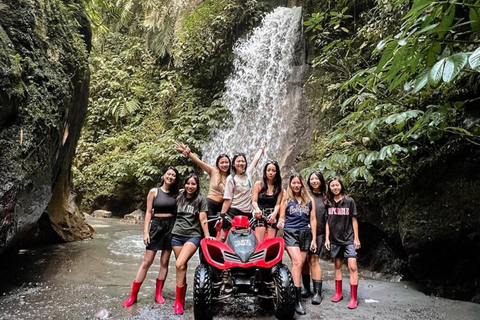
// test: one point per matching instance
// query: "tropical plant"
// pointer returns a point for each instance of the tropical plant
(413, 101)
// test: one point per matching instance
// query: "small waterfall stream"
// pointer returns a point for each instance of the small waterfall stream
(264, 91)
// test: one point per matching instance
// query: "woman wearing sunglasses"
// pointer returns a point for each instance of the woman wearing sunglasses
(266, 198)
(218, 176)
(238, 189)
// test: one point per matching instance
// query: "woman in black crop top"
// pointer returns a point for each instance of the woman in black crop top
(267, 194)
(318, 188)
(157, 233)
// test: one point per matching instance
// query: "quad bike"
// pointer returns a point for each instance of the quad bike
(242, 267)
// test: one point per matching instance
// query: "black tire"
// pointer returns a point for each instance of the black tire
(202, 293)
(284, 296)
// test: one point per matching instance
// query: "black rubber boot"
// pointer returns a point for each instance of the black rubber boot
(306, 292)
(298, 301)
(317, 291)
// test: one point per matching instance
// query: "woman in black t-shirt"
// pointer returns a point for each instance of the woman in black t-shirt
(190, 224)
(267, 195)
(159, 220)
(342, 238)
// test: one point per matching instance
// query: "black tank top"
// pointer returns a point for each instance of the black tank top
(164, 203)
(267, 201)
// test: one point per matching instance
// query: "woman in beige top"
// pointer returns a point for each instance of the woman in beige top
(218, 175)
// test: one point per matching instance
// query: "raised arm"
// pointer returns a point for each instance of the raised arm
(188, 153)
(259, 154)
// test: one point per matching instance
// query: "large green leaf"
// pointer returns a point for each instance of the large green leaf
(421, 81)
(474, 59)
(474, 16)
(453, 65)
(417, 7)
(436, 72)
(387, 55)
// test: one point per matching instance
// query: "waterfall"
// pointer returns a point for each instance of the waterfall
(263, 93)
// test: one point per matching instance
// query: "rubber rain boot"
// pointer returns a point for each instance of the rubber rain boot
(353, 297)
(338, 291)
(158, 292)
(179, 298)
(133, 294)
(298, 301)
(317, 291)
(306, 292)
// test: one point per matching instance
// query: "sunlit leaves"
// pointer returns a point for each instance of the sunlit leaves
(474, 59)
(453, 65)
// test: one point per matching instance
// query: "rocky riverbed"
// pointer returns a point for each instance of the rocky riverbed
(76, 280)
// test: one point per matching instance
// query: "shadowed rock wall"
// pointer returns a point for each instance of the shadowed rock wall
(44, 79)
(430, 230)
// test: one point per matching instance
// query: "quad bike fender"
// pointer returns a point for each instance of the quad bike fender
(221, 256)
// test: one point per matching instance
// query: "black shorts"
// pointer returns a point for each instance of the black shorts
(301, 238)
(214, 208)
(161, 233)
(343, 251)
(320, 244)
(232, 212)
(254, 223)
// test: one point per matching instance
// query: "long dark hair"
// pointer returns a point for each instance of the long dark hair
(197, 180)
(323, 186)
(174, 187)
(223, 155)
(182, 198)
(235, 156)
(277, 180)
(330, 195)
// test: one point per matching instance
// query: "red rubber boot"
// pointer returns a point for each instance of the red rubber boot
(353, 297)
(133, 295)
(158, 292)
(179, 299)
(338, 291)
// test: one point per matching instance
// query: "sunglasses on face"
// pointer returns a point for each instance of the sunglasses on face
(239, 155)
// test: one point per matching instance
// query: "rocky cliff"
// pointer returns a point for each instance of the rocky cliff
(430, 229)
(43, 101)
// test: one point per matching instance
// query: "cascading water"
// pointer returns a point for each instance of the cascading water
(264, 91)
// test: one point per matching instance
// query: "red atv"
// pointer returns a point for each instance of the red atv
(241, 266)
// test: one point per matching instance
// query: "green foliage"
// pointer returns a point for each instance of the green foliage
(399, 110)
(140, 102)
(203, 43)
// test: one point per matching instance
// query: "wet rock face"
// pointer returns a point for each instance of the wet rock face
(44, 80)
(434, 228)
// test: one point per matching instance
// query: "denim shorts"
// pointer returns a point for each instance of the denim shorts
(178, 241)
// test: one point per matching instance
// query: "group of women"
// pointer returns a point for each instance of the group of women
(311, 218)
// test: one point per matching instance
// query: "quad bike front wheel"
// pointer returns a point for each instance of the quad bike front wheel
(202, 292)
(284, 296)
